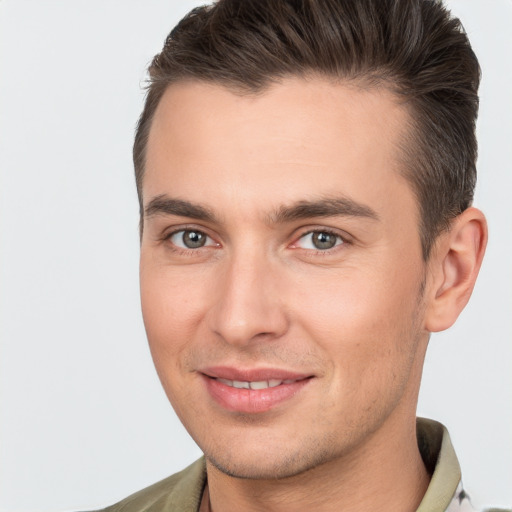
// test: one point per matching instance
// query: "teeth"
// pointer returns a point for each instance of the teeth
(239, 384)
(260, 384)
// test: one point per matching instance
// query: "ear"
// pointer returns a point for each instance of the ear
(453, 269)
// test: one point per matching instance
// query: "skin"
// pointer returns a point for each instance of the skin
(355, 318)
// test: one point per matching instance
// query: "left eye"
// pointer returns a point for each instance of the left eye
(190, 239)
(319, 240)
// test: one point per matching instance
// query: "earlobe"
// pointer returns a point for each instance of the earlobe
(454, 269)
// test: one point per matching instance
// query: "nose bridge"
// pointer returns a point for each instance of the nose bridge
(248, 304)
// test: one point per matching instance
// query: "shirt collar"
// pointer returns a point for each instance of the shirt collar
(445, 489)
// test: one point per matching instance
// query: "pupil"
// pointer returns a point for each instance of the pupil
(324, 240)
(193, 239)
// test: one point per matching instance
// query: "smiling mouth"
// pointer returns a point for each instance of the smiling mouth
(254, 391)
(258, 384)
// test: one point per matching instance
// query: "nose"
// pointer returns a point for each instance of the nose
(250, 301)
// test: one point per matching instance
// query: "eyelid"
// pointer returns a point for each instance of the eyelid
(168, 234)
(343, 237)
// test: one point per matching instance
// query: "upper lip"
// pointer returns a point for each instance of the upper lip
(252, 374)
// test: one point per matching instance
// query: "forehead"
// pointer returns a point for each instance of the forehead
(298, 135)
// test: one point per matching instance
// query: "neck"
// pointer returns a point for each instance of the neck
(386, 474)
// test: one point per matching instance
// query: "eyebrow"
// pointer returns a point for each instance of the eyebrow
(323, 207)
(304, 209)
(163, 204)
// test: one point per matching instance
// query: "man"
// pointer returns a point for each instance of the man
(305, 173)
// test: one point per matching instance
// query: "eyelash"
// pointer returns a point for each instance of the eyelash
(187, 251)
(323, 252)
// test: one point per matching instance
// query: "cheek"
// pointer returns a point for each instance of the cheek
(338, 303)
(171, 308)
(365, 323)
(370, 352)
(171, 312)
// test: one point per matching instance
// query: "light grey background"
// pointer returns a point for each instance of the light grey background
(83, 420)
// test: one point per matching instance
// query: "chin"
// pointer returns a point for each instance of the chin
(268, 463)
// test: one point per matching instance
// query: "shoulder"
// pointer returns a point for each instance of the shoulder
(180, 492)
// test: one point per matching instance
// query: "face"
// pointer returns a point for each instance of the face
(281, 271)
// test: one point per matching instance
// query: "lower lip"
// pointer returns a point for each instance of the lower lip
(252, 400)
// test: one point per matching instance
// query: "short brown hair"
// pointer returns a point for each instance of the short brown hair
(414, 47)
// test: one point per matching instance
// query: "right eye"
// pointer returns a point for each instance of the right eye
(190, 239)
